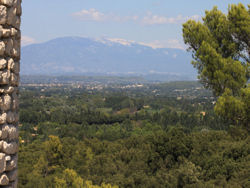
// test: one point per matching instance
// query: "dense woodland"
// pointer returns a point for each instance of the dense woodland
(158, 135)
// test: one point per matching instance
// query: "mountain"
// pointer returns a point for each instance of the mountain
(84, 56)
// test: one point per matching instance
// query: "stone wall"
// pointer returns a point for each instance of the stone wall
(10, 12)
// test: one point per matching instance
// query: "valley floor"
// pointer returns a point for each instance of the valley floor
(155, 135)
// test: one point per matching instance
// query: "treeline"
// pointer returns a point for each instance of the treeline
(77, 138)
(115, 107)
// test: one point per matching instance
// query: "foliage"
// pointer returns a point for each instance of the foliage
(220, 47)
(82, 139)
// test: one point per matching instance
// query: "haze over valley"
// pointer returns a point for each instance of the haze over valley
(87, 56)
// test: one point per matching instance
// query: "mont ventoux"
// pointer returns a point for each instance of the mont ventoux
(76, 55)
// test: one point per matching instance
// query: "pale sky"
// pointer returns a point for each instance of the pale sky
(157, 23)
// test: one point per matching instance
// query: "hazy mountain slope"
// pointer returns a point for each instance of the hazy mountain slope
(75, 55)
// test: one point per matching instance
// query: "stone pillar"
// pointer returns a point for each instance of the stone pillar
(10, 13)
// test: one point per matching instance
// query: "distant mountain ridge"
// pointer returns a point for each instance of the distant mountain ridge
(83, 56)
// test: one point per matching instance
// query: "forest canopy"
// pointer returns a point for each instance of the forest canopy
(160, 135)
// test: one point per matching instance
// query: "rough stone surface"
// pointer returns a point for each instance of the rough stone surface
(4, 180)
(2, 48)
(11, 117)
(8, 158)
(3, 63)
(6, 33)
(12, 164)
(3, 133)
(13, 32)
(5, 102)
(7, 89)
(10, 41)
(7, 2)
(2, 162)
(9, 44)
(3, 118)
(10, 132)
(15, 102)
(12, 175)
(15, 50)
(14, 79)
(9, 148)
(4, 77)
(12, 66)
(3, 14)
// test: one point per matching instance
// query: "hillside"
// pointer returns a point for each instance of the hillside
(75, 55)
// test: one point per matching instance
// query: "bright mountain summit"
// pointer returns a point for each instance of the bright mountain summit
(85, 56)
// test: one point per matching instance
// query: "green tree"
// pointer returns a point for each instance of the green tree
(70, 179)
(53, 153)
(220, 46)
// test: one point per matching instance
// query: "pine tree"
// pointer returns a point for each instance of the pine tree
(220, 47)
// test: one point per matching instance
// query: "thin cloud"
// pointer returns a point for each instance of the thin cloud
(26, 40)
(97, 16)
(148, 19)
(90, 15)
(151, 19)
